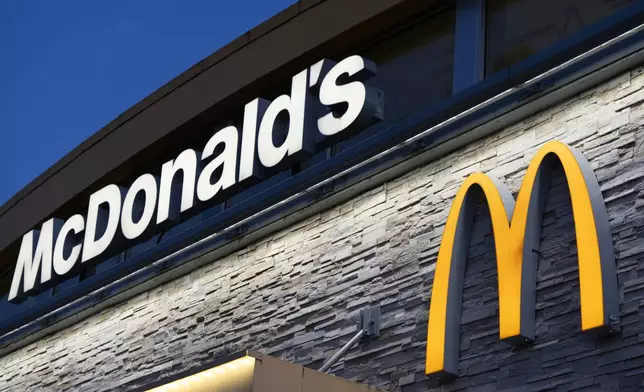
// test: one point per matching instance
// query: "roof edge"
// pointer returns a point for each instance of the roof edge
(220, 54)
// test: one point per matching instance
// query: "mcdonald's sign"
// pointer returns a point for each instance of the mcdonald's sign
(516, 228)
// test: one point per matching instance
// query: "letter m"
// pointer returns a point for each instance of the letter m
(517, 231)
(34, 258)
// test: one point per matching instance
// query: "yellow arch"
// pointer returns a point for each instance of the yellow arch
(509, 238)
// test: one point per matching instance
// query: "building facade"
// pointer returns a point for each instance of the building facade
(285, 264)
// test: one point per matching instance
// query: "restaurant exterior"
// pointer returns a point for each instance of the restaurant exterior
(355, 195)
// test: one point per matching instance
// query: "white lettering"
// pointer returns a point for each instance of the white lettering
(148, 185)
(273, 133)
(361, 101)
(66, 244)
(33, 258)
(227, 160)
(103, 212)
(170, 205)
(247, 168)
(295, 140)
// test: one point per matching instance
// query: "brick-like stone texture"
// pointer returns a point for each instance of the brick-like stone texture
(297, 294)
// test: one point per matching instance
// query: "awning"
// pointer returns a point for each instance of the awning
(255, 372)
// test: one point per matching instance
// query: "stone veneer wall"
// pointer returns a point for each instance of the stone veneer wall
(296, 294)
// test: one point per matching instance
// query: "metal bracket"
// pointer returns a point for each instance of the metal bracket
(370, 321)
(368, 325)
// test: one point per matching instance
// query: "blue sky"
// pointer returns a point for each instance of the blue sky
(67, 68)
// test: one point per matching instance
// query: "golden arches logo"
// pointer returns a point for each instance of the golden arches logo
(517, 231)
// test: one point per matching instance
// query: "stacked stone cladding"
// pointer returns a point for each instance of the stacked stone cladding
(297, 293)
